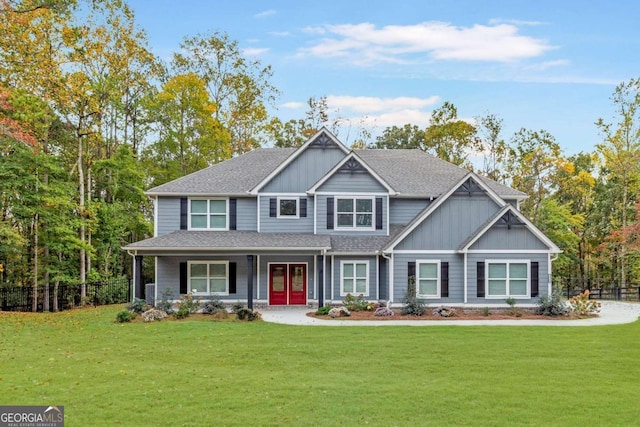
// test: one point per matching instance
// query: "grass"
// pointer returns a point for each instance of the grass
(199, 373)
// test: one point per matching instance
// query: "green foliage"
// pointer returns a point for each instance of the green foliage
(166, 303)
(412, 305)
(552, 305)
(513, 311)
(213, 306)
(322, 311)
(138, 306)
(189, 302)
(248, 314)
(182, 312)
(486, 312)
(357, 303)
(237, 306)
(125, 316)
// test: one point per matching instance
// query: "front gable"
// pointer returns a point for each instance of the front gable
(351, 175)
(305, 166)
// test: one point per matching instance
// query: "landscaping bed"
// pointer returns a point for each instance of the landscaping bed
(460, 314)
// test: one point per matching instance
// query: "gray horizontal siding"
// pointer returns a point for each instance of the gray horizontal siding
(450, 224)
(517, 238)
(373, 272)
(456, 276)
(246, 215)
(347, 182)
(403, 211)
(304, 171)
(168, 215)
(543, 274)
(285, 225)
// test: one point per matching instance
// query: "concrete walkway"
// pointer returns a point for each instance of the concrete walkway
(612, 313)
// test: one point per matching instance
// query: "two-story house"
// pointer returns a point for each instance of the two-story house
(307, 226)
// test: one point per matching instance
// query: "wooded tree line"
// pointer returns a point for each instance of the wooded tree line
(90, 118)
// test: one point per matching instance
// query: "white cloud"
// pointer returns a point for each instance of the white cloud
(370, 104)
(255, 51)
(265, 13)
(292, 104)
(395, 118)
(279, 33)
(517, 22)
(547, 64)
(313, 30)
(366, 44)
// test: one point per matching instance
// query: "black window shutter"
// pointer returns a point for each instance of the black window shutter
(273, 207)
(303, 208)
(535, 288)
(444, 279)
(411, 268)
(329, 213)
(480, 278)
(233, 214)
(184, 213)
(183, 278)
(232, 278)
(378, 213)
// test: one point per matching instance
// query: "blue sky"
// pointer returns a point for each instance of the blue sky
(549, 65)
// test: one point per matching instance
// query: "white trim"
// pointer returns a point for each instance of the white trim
(530, 226)
(487, 262)
(351, 193)
(155, 216)
(283, 194)
(354, 200)
(208, 213)
(258, 277)
(426, 251)
(391, 278)
(315, 279)
(466, 279)
(352, 155)
(278, 206)
(354, 263)
(438, 294)
(378, 277)
(439, 201)
(208, 263)
(333, 274)
(295, 155)
(315, 214)
(508, 251)
(258, 224)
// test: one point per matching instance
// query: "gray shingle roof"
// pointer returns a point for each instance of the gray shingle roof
(363, 244)
(416, 173)
(223, 240)
(232, 177)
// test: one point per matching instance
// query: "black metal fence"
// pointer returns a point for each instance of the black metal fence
(65, 296)
(598, 289)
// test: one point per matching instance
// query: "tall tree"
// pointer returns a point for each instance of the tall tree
(408, 136)
(494, 147)
(449, 137)
(240, 88)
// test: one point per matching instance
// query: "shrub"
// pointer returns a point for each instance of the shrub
(513, 311)
(153, 314)
(444, 312)
(583, 306)
(220, 314)
(165, 303)
(213, 306)
(339, 312)
(321, 311)
(383, 311)
(237, 306)
(412, 305)
(192, 304)
(182, 312)
(125, 316)
(359, 303)
(247, 314)
(138, 306)
(552, 305)
(486, 312)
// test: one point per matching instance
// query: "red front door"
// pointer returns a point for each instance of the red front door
(287, 284)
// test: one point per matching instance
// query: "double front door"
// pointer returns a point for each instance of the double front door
(287, 284)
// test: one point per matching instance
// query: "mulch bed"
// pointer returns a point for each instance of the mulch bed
(460, 315)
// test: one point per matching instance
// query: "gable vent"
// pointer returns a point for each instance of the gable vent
(352, 166)
(323, 141)
(509, 219)
(469, 188)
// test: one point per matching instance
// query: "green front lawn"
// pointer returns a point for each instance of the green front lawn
(205, 373)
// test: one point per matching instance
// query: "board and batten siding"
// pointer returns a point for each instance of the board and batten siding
(517, 238)
(450, 224)
(304, 171)
(456, 276)
(344, 182)
(270, 224)
(321, 219)
(168, 215)
(403, 211)
(472, 275)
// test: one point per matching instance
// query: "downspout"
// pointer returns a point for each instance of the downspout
(552, 257)
(390, 274)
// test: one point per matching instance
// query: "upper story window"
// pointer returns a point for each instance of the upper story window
(354, 212)
(208, 214)
(507, 279)
(288, 207)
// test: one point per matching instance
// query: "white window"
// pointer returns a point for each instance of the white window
(355, 213)
(354, 277)
(428, 279)
(288, 207)
(507, 279)
(208, 277)
(208, 214)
